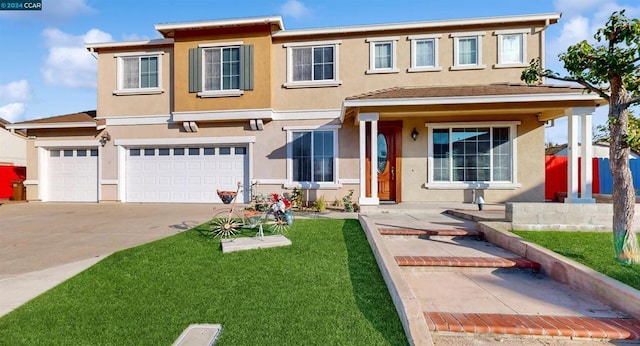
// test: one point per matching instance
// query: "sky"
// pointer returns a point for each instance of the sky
(46, 71)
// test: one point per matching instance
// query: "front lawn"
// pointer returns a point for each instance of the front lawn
(325, 289)
(593, 249)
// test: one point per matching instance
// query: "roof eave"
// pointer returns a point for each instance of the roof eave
(164, 29)
(32, 126)
(422, 101)
(148, 43)
(550, 18)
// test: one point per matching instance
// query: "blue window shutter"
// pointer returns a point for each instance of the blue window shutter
(246, 67)
(195, 70)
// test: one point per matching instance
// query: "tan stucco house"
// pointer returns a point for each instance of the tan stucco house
(400, 112)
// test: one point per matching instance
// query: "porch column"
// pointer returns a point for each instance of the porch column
(363, 118)
(584, 114)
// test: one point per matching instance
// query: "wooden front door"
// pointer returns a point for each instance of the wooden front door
(388, 141)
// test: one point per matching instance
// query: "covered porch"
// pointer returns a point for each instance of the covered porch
(455, 144)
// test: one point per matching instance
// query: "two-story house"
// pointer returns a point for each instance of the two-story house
(401, 112)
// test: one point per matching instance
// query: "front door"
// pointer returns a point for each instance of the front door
(388, 140)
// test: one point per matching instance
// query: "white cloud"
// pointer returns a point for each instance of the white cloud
(134, 37)
(295, 9)
(15, 91)
(68, 63)
(12, 112)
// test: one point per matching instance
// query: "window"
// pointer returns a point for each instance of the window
(512, 48)
(178, 151)
(224, 151)
(194, 151)
(209, 151)
(81, 153)
(134, 152)
(467, 50)
(424, 53)
(67, 153)
(312, 155)
(221, 69)
(311, 65)
(163, 152)
(149, 152)
(482, 153)
(139, 74)
(382, 55)
(55, 153)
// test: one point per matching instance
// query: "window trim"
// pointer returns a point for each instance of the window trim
(523, 48)
(290, 183)
(120, 90)
(478, 35)
(222, 92)
(414, 39)
(500, 185)
(290, 83)
(372, 55)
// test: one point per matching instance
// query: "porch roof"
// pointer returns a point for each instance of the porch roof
(80, 119)
(548, 101)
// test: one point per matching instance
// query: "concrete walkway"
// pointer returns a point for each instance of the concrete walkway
(453, 287)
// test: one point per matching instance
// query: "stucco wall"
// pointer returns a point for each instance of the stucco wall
(354, 62)
(110, 105)
(13, 148)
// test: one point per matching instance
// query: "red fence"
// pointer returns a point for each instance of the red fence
(556, 176)
(8, 174)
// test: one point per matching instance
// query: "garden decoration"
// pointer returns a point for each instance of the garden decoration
(278, 218)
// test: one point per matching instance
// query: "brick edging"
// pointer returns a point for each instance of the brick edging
(612, 292)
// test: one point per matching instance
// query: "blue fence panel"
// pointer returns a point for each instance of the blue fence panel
(635, 174)
(606, 179)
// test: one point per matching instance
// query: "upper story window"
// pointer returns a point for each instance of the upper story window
(312, 64)
(221, 69)
(424, 53)
(382, 55)
(512, 48)
(139, 73)
(467, 50)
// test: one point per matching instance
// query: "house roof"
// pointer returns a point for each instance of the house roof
(467, 90)
(80, 119)
(146, 43)
(4, 123)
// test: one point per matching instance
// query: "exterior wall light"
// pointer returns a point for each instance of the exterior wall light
(414, 134)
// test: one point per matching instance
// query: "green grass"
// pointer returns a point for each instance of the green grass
(593, 249)
(325, 289)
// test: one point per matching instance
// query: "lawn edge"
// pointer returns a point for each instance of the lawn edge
(610, 291)
(405, 301)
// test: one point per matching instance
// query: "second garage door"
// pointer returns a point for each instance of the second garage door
(185, 174)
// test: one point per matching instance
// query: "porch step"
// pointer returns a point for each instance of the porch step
(430, 232)
(534, 325)
(476, 262)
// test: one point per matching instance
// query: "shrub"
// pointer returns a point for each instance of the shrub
(320, 204)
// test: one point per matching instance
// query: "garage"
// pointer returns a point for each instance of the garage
(72, 175)
(189, 174)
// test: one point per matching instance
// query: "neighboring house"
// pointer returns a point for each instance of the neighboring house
(13, 146)
(599, 150)
(401, 112)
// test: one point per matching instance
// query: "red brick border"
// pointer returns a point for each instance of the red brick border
(480, 262)
(565, 326)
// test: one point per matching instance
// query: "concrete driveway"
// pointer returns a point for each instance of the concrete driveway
(43, 244)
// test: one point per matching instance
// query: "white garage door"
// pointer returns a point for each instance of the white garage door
(185, 174)
(73, 175)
